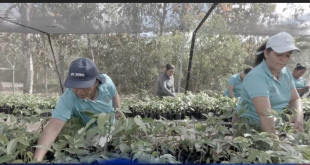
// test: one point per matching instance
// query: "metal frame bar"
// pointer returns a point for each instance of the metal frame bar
(13, 81)
(50, 43)
(193, 45)
(7, 69)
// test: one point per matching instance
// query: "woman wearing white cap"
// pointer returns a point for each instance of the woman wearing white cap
(270, 85)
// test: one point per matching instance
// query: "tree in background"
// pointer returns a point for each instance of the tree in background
(225, 44)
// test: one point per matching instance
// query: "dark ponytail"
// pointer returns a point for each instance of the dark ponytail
(260, 54)
(247, 70)
(299, 67)
(169, 66)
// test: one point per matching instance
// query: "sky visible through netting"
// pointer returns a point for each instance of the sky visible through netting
(131, 41)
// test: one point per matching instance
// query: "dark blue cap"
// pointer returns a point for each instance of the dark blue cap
(83, 73)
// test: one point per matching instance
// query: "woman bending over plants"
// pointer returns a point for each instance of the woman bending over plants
(87, 89)
(165, 85)
(270, 85)
(235, 82)
(300, 82)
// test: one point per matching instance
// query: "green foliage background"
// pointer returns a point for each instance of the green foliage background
(134, 60)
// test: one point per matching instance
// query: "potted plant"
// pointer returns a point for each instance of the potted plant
(178, 114)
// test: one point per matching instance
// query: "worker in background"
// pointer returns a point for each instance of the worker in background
(300, 82)
(234, 84)
(165, 85)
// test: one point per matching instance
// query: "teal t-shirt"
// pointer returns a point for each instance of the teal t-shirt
(236, 81)
(261, 83)
(299, 83)
(70, 105)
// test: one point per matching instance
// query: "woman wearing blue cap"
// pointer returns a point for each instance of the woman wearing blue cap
(300, 82)
(234, 84)
(270, 85)
(87, 89)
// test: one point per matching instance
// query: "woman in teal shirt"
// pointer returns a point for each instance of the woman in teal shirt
(234, 84)
(270, 85)
(300, 82)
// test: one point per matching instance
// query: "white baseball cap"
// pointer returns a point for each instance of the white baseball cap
(281, 43)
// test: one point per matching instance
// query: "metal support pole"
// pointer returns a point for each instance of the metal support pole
(190, 61)
(50, 42)
(13, 81)
(181, 63)
(193, 45)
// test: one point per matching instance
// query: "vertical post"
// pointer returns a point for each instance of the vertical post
(13, 81)
(193, 45)
(50, 42)
(182, 54)
(190, 61)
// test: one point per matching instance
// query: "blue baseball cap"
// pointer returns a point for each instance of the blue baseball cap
(83, 73)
